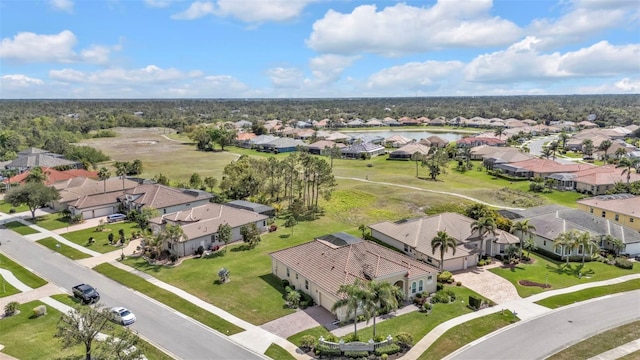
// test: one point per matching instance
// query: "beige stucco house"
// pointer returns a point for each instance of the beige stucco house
(321, 266)
(623, 209)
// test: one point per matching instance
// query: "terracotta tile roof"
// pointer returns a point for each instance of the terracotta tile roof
(245, 136)
(549, 166)
(329, 266)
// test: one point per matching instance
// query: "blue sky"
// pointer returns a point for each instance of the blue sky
(317, 48)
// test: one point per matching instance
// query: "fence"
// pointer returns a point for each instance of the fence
(356, 345)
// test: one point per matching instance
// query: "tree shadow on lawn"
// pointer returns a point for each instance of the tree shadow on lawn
(576, 270)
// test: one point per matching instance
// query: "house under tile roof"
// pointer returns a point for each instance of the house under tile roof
(159, 196)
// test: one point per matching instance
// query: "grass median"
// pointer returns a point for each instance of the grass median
(557, 301)
(20, 228)
(168, 298)
(276, 352)
(600, 343)
(25, 276)
(68, 251)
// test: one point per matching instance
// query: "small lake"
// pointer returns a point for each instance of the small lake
(411, 134)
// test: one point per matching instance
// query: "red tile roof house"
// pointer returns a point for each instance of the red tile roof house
(200, 226)
(414, 236)
(54, 175)
(319, 268)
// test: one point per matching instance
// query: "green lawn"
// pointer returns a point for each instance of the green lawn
(168, 298)
(600, 343)
(63, 249)
(20, 228)
(5, 207)
(27, 277)
(66, 299)
(416, 323)
(558, 274)
(586, 294)
(101, 244)
(276, 352)
(460, 335)
(26, 338)
(51, 221)
(6, 289)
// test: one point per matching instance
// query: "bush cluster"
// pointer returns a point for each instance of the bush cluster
(623, 263)
(445, 277)
(387, 349)
(356, 354)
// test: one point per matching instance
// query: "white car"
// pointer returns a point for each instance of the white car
(122, 315)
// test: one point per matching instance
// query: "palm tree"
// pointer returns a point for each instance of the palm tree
(382, 298)
(121, 170)
(444, 242)
(523, 228)
(628, 163)
(604, 146)
(546, 152)
(352, 296)
(417, 157)
(499, 132)
(567, 240)
(616, 243)
(103, 175)
(587, 242)
(587, 147)
(484, 225)
(173, 234)
(553, 146)
(620, 152)
(530, 245)
(563, 138)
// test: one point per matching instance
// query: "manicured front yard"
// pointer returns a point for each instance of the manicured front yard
(63, 249)
(558, 274)
(276, 352)
(5, 207)
(460, 335)
(27, 277)
(51, 221)
(101, 244)
(600, 343)
(586, 294)
(168, 298)
(20, 228)
(6, 289)
(415, 323)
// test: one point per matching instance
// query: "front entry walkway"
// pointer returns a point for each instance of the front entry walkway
(488, 284)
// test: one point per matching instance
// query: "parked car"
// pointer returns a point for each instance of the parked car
(116, 217)
(122, 315)
(86, 293)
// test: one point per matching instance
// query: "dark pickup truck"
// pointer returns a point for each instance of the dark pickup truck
(86, 293)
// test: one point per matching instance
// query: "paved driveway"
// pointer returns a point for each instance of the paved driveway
(488, 284)
(301, 320)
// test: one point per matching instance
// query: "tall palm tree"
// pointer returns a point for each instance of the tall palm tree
(563, 138)
(628, 164)
(363, 228)
(620, 152)
(522, 229)
(121, 170)
(587, 242)
(587, 147)
(604, 146)
(484, 225)
(499, 132)
(172, 234)
(568, 240)
(443, 241)
(382, 297)
(417, 157)
(351, 296)
(616, 243)
(553, 146)
(103, 175)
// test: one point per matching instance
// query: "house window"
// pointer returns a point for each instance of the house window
(630, 219)
(413, 287)
(406, 248)
(164, 211)
(420, 285)
(604, 213)
(544, 242)
(264, 223)
(567, 251)
(296, 276)
(591, 210)
(214, 237)
(306, 284)
(287, 272)
(558, 250)
(580, 249)
(617, 217)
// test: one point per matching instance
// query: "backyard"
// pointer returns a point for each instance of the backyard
(558, 274)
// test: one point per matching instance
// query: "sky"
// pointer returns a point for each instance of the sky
(132, 49)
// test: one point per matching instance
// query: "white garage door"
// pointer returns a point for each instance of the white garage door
(103, 211)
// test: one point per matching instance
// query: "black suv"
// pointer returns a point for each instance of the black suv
(86, 293)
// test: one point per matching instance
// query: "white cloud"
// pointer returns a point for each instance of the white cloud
(523, 62)
(148, 74)
(62, 5)
(328, 68)
(285, 77)
(402, 29)
(195, 11)
(262, 10)
(628, 85)
(159, 3)
(415, 75)
(18, 81)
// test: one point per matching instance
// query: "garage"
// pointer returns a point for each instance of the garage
(95, 213)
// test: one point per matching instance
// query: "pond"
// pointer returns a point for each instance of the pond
(411, 134)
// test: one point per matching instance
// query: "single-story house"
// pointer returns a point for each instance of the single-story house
(437, 141)
(405, 152)
(358, 151)
(552, 220)
(91, 198)
(200, 226)
(322, 147)
(54, 176)
(321, 266)
(243, 139)
(397, 141)
(163, 198)
(477, 141)
(33, 157)
(281, 145)
(414, 236)
(623, 209)
(539, 168)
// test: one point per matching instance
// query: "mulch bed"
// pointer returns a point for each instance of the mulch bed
(533, 283)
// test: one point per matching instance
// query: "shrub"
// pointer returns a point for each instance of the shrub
(481, 263)
(11, 308)
(39, 310)
(459, 283)
(356, 354)
(331, 338)
(387, 350)
(172, 257)
(351, 338)
(441, 297)
(307, 342)
(293, 297)
(426, 307)
(200, 250)
(384, 357)
(623, 263)
(498, 257)
(439, 287)
(285, 283)
(404, 340)
(324, 350)
(12, 211)
(445, 277)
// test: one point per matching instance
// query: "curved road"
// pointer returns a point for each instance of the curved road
(180, 336)
(545, 335)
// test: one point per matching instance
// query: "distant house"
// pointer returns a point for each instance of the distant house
(33, 157)
(359, 151)
(397, 141)
(322, 147)
(54, 176)
(623, 209)
(539, 168)
(200, 226)
(243, 139)
(414, 236)
(437, 141)
(321, 266)
(251, 206)
(405, 152)
(552, 220)
(281, 145)
(477, 141)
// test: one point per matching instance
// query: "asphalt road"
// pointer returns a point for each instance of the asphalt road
(548, 334)
(182, 337)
